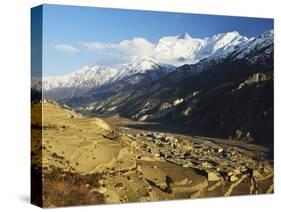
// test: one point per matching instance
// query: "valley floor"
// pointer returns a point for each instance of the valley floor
(108, 160)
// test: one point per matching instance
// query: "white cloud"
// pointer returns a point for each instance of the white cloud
(137, 47)
(134, 47)
(65, 48)
(96, 45)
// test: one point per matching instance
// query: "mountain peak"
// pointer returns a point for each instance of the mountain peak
(141, 64)
(233, 33)
(267, 34)
(184, 35)
(138, 65)
(142, 59)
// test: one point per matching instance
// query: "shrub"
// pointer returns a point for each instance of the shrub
(62, 188)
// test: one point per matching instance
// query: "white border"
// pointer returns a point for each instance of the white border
(15, 115)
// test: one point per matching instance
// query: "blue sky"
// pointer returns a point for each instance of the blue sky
(68, 32)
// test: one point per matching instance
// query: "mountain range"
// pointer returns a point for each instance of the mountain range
(184, 48)
(217, 86)
(187, 50)
(79, 82)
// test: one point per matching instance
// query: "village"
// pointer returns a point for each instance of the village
(221, 162)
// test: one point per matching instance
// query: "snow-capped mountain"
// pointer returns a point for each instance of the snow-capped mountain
(86, 77)
(197, 53)
(257, 50)
(74, 84)
(94, 76)
(79, 82)
(252, 50)
(183, 49)
(141, 65)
